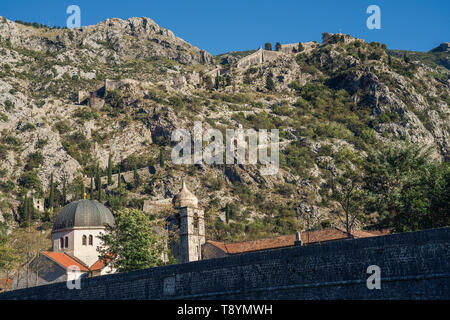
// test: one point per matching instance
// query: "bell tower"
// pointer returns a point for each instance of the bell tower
(192, 226)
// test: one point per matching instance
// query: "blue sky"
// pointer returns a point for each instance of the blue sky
(222, 26)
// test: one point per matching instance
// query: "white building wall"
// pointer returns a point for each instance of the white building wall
(56, 241)
(86, 253)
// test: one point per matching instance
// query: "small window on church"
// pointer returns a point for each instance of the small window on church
(195, 222)
(84, 241)
(66, 242)
(91, 240)
(61, 243)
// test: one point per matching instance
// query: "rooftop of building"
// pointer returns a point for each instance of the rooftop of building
(309, 237)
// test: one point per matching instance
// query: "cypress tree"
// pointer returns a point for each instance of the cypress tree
(161, 158)
(64, 193)
(217, 83)
(25, 209)
(97, 178)
(52, 195)
(109, 170)
(135, 177)
(100, 194)
(91, 194)
(227, 213)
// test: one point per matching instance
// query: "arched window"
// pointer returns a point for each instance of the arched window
(61, 243)
(84, 241)
(91, 240)
(67, 242)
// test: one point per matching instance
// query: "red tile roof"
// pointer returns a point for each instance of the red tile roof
(64, 260)
(5, 283)
(308, 237)
(99, 265)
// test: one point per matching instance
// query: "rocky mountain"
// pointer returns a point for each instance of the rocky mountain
(71, 98)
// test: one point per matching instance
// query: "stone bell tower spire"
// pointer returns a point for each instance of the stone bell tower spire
(192, 225)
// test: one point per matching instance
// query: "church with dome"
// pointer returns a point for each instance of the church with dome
(76, 231)
(74, 245)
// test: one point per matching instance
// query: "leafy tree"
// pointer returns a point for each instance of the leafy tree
(268, 46)
(8, 257)
(30, 180)
(131, 244)
(407, 190)
(347, 190)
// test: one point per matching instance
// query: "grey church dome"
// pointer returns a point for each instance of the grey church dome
(185, 198)
(83, 213)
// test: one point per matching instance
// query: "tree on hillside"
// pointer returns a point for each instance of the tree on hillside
(131, 244)
(270, 85)
(300, 47)
(161, 157)
(109, 170)
(227, 213)
(278, 46)
(217, 83)
(136, 177)
(51, 197)
(98, 182)
(268, 46)
(64, 193)
(91, 190)
(406, 58)
(119, 178)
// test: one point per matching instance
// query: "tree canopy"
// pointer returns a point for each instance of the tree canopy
(131, 243)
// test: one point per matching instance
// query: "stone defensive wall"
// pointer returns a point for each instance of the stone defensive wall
(258, 57)
(414, 265)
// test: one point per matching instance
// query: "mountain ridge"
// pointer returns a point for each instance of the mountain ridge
(331, 102)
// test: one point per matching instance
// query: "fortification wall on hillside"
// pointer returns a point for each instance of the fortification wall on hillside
(413, 266)
(258, 57)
